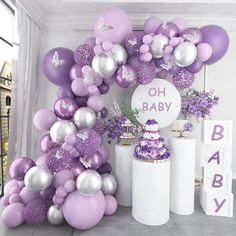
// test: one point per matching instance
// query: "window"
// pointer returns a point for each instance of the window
(8, 101)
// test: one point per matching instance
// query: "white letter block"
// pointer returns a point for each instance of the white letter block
(216, 156)
(217, 204)
(217, 180)
(217, 132)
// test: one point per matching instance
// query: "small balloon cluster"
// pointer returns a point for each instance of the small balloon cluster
(72, 180)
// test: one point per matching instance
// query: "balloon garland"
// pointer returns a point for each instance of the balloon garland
(72, 181)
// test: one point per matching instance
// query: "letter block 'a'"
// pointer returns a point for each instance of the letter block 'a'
(218, 132)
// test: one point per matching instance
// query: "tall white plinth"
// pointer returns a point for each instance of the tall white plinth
(151, 192)
(182, 175)
(123, 173)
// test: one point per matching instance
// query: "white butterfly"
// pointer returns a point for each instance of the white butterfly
(86, 164)
(102, 27)
(56, 61)
(58, 155)
(88, 79)
(83, 136)
(132, 41)
(64, 104)
(165, 26)
(194, 37)
(166, 66)
(125, 74)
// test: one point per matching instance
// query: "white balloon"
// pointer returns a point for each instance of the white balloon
(185, 54)
(55, 215)
(38, 178)
(60, 129)
(119, 53)
(109, 184)
(158, 45)
(84, 117)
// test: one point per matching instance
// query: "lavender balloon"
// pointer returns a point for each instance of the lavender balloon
(181, 23)
(64, 92)
(152, 24)
(64, 108)
(46, 144)
(168, 29)
(20, 166)
(76, 72)
(56, 65)
(92, 162)
(193, 35)
(195, 67)
(126, 77)
(77, 168)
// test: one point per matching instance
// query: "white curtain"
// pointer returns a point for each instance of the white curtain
(24, 92)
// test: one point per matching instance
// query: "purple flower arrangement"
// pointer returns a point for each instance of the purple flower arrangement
(198, 104)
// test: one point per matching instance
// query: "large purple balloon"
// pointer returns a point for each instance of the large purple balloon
(46, 144)
(82, 212)
(192, 34)
(57, 64)
(64, 92)
(218, 39)
(20, 166)
(64, 108)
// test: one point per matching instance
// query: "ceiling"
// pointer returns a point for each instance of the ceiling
(80, 14)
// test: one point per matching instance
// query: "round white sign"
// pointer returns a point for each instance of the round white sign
(159, 100)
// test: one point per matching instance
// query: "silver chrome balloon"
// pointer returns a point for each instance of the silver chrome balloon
(109, 184)
(105, 65)
(158, 45)
(119, 53)
(55, 215)
(89, 182)
(60, 129)
(185, 54)
(38, 178)
(84, 117)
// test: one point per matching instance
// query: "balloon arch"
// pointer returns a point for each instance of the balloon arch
(73, 180)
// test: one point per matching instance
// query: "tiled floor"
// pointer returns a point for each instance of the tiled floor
(122, 224)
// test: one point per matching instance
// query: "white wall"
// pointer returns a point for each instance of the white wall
(220, 77)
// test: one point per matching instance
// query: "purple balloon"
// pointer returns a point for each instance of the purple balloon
(204, 52)
(76, 72)
(103, 88)
(104, 169)
(91, 41)
(13, 215)
(104, 112)
(20, 166)
(61, 177)
(218, 39)
(93, 162)
(162, 74)
(126, 77)
(64, 108)
(42, 161)
(82, 212)
(103, 150)
(79, 88)
(181, 23)
(183, 79)
(46, 144)
(168, 29)
(81, 101)
(111, 205)
(27, 195)
(77, 168)
(152, 24)
(193, 35)
(64, 92)
(56, 65)
(195, 67)
(48, 193)
(96, 103)
(9, 185)
(158, 62)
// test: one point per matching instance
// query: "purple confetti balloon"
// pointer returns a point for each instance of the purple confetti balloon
(91, 41)
(64, 108)
(56, 65)
(92, 162)
(84, 55)
(64, 92)
(183, 79)
(46, 144)
(103, 88)
(104, 169)
(20, 166)
(193, 35)
(126, 77)
(133, 43)
(100, 126)
(168, 29)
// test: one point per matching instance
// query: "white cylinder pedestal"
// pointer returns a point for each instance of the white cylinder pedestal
(182, 175)
(151, 192)
(123, 173)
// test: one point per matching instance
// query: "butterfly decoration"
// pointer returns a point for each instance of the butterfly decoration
(125, 74)
(86, 164)
(167, 66)
(56, 61)
(194, 37)
(59, 155)
(165, 26)
(102, 27)
(133, 41)
(88, 79)
(84, 136)
(64, 105)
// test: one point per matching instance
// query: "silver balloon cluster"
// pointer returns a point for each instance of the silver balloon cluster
(90, 182)
(106, 64)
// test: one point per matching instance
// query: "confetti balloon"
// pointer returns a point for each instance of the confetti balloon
(113, 25)
(183, 79)
(84, 55)
(100, 126)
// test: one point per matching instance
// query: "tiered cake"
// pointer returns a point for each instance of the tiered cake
(151, 145)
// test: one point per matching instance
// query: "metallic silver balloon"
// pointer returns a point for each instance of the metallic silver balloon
(84, 117)
(38, 178)
(105, 65)
(60, 129)
(89, 182)
(109, 184)
(185, 54)
(158, 45)
(119, 53)
(55, 215)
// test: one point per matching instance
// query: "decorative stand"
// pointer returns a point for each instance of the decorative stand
(123, 173)
(182, 175)
(151, 191)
